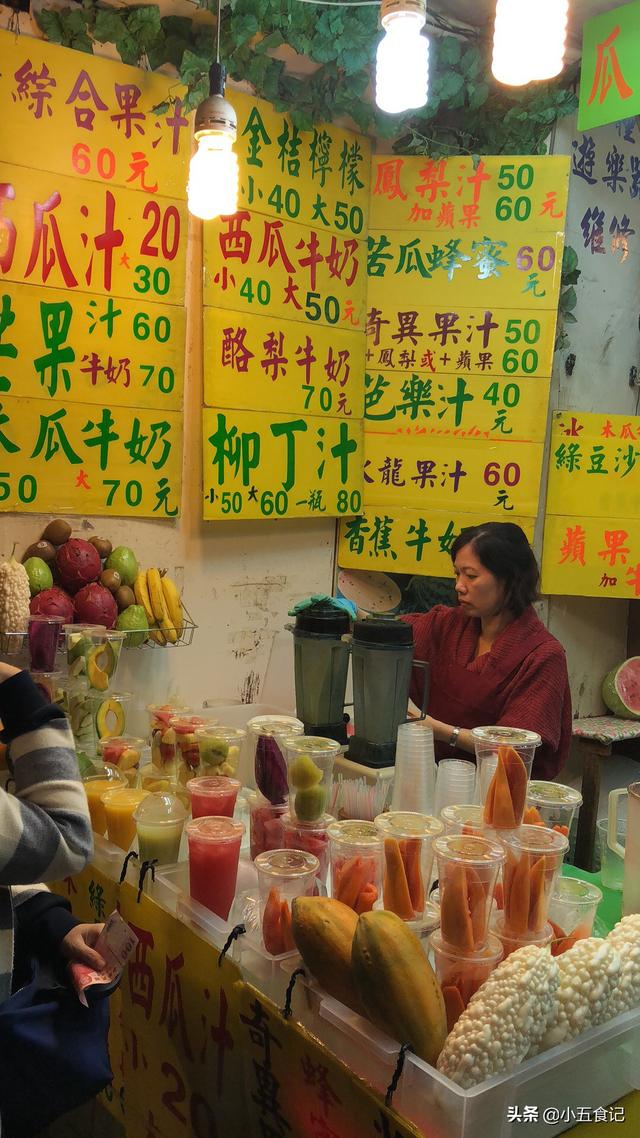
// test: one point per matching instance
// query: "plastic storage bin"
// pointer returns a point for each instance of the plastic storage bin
(594, 1070)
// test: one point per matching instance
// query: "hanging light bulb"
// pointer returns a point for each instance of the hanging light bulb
(529, 40)
(402, 59)
(212, 189)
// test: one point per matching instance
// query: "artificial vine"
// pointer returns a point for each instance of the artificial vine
(568, 298)
(467, 111)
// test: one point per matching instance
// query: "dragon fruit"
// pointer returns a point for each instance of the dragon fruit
(271, 770)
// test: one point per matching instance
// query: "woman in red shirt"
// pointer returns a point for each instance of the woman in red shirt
(492, 661)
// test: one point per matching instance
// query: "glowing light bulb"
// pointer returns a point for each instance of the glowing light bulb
(212, 189)
(402, 58)
(529, 40)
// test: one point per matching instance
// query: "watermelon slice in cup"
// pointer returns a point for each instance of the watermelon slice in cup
(621, 689)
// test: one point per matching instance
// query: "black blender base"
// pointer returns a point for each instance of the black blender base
(337, 731)
(371, 754)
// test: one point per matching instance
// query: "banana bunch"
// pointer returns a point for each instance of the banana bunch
(161, 601)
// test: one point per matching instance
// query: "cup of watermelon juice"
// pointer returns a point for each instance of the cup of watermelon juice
(213, 796)
(214, 852)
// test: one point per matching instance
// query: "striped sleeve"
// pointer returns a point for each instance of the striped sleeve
(45, 830)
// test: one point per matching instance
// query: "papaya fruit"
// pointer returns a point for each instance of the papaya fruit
(397, 898)
(505, 801)
(396, 984)
(323, 930)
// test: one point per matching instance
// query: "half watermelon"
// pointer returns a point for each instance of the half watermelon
(621, 689)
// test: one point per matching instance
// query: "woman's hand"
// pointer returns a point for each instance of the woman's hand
(77, 946)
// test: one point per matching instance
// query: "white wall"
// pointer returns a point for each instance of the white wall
(239, 578)
(606, 344)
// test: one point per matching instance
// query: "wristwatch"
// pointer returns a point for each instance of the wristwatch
(453, 739)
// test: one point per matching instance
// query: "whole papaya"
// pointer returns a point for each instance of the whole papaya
(396, 984)
(323, 932)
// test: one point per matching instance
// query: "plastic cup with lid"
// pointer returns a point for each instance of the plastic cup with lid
(554, 804)
(159, 820)
(467, 873)
(504, 757)
(407, 838)
(572, 911)
(283, 875)
(356, 863)
(533, 859)
(310, 762)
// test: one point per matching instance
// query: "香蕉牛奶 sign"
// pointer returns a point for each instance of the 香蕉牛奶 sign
(92, 283)
(285, 306)
(464, 265)
(592, 526)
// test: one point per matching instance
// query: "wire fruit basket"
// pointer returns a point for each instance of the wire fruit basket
(17, 643)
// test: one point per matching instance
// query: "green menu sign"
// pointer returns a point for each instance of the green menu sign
(610, 75)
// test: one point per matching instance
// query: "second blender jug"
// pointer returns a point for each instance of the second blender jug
(321, 661)
(382, 658)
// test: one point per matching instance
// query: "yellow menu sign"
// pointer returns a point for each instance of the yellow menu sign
(91, 119)
(463, 273)
(92, 280)
(89, 458)
(408, 541)
(273, 466)
(84, 346)
(592, 526)
(318, 177)
(285, 296)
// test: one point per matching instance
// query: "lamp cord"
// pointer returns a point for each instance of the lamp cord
(218, 31)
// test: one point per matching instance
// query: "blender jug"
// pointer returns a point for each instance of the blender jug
(321, 661)
(382, 658)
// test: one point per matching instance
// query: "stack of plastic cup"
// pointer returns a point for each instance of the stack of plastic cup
(455, 783)
(463, 820)
(282, 876)
(213, 795)
(356, 864)
(533, 859)
(159, 820)
(572, 911)
(555, 805)
(415, 769)
(464, 949)
(504, 757)
(408, 858)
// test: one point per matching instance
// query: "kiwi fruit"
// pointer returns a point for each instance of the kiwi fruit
(111, 580)
(43, 549)
(57, 532)
(124, 597)
(102, 545)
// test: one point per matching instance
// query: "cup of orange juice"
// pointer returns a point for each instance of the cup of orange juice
(119, 807)
(95, 785)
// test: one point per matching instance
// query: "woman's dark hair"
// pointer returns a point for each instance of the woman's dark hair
(503, 549)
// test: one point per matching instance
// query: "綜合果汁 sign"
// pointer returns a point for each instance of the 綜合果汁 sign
(592, 524)
(92, 280)
(609, 70)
